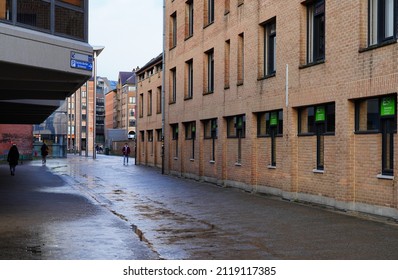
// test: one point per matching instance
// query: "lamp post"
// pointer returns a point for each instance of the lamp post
(97, 50)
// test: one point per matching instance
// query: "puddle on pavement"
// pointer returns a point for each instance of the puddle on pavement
(118, 192)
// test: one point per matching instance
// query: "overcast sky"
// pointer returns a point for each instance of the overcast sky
(130, 30)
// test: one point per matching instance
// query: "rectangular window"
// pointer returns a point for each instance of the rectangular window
(6, 10)
(236, 126)
(316, 31)
(159, 100)
(190, 130)
(34, 13)
(270, 124)
(270, 48)
(382, 21)
(367, 115)
(312, 115)
(69, 21)
(227, 59)
(208, 12)
(210, 128)
(189, 79)
(173, 30)
(241, 58)
(370, 112)
(173, 85)
(190, 134)
(174, 131)
(141, 105)
(150, 141)
(159, 135)
(317, 120)
(142, 134)
(210, 132)
(269, 120)
(149, 103)
(189, 19)
(210, 71)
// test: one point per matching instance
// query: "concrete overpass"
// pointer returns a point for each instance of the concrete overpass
(40, 69)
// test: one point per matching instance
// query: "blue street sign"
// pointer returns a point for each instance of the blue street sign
(81, 65)
(81, 61)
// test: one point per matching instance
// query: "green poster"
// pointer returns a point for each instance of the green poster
(320, 114)
(387, 106)
(273, 119)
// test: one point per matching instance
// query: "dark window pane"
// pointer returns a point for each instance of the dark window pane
(311, 119)
(34, 13)
(280, 122)
(330, 118)
(69, 22)
(372, 122)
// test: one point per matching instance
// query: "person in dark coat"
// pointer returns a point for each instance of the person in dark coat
(44, 153)
(13, 158)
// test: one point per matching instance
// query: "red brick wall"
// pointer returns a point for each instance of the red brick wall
(22, 135)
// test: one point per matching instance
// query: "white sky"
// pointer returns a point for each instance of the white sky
(130, 30)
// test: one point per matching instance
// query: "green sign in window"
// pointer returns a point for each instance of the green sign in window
(320, 114)
(273, 119)
(387, 106)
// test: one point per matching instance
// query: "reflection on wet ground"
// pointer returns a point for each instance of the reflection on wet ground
(108, 210)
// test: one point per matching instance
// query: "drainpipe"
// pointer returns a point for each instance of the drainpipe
(163, 83)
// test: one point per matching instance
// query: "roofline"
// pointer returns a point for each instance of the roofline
(152, 62)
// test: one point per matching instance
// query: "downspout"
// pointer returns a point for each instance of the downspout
(163, 83)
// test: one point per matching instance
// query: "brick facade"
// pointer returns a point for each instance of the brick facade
(342, 167)
(21, 135)
(149, 123)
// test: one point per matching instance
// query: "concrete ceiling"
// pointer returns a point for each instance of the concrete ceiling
(28, 95)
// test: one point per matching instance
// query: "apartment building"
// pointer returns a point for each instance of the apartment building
(80, 115)
(149, 93)
(125, 103)
(292, 98)
(110, 98)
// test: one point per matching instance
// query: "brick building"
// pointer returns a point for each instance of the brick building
(149, 89)
(294, 99)
(21, 135)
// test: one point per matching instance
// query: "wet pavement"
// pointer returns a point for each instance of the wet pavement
(80, 208)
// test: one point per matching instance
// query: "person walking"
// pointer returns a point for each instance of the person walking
(13, 158)
(126, 153)
(44, 153)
